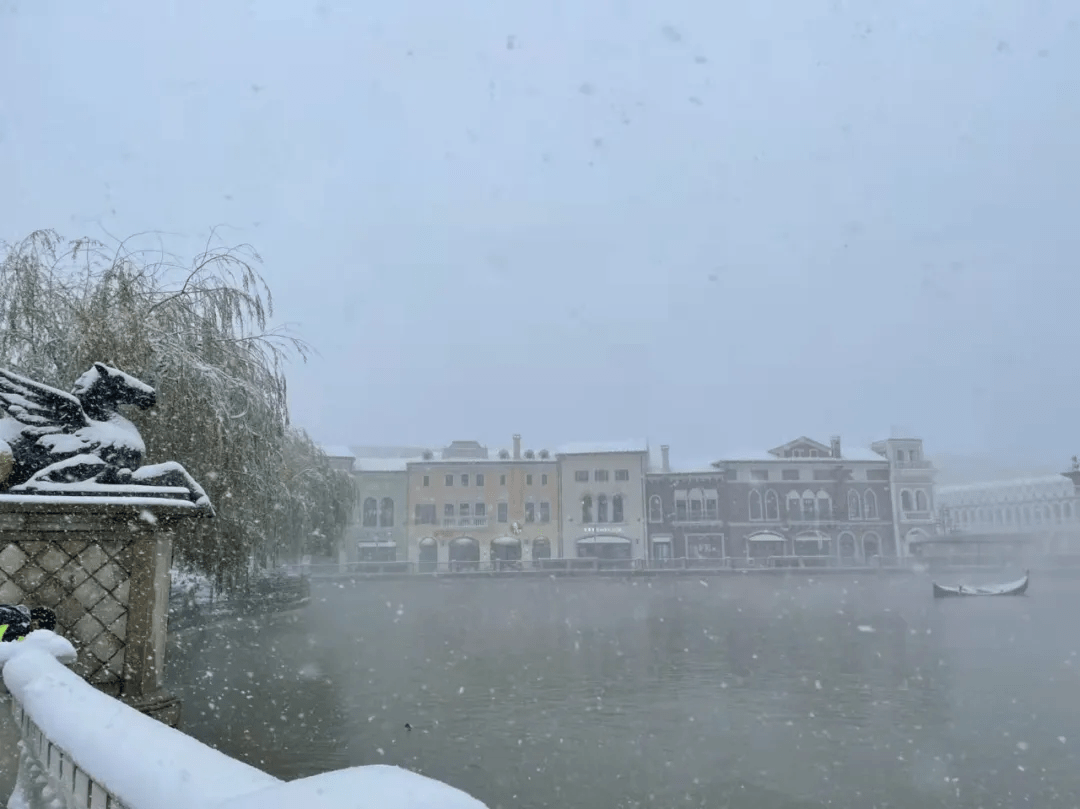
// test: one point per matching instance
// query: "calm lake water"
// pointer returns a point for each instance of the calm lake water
(740, 692)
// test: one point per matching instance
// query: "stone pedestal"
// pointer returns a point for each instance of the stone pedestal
(102, 564)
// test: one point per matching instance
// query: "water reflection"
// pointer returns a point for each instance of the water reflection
(727, 692)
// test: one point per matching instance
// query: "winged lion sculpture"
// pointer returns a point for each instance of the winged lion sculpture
(77, 443)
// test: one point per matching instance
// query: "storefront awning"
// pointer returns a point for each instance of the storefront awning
(664, 540)
(765, 538)
(512, 541)
(604, 540)
(464, 541)
(379, 543)
(427, 542)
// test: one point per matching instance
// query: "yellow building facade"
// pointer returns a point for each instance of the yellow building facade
(471, 507)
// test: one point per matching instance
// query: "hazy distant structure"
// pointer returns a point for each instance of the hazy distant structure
(1042, 508)
(803, 502)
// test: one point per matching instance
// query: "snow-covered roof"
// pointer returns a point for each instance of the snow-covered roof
(337, 451)
(601, 447)
(382, 464)
(846, 454)
(493, 458)
(1001, 491)
(386, 451)
(860, 454)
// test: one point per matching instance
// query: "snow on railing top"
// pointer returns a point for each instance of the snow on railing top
(147, 765)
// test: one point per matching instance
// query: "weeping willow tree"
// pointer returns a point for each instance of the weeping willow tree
(199, 333)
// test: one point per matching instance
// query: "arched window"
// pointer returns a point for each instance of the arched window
(772, 505)
(870, 505)
(601, 508)
(794, 506)
(905, 501)
(617, 508)
(755, 505)
(1066, 511)
(586, 509)
(808, 506)
(921, 503)
(386, 513)
(853, 510)
(656, 509)
(371, 513)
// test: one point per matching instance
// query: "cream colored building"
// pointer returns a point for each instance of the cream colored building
(378, 532)
(602, 500)
(469, 507)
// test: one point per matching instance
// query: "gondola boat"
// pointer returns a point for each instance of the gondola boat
(1015, 588)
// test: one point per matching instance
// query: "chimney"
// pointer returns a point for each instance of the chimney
(665, 458)
(517, 447)
(836, 446)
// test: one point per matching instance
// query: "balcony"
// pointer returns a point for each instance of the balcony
(697, 518)
(914, 465)
(464, 522)
(917, 516)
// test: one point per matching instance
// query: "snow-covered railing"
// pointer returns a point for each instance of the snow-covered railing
(82, 749)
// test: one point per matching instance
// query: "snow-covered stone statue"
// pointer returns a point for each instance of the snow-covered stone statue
(56, 443)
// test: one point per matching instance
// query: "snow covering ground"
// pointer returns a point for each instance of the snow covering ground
(148, 765)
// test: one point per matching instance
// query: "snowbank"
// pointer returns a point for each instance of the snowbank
(147, 765)
(374, 787)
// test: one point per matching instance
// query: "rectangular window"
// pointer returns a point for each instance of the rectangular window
(528, 480)
(463, 509)
(680, 510)
(425, 514)
(622, 474)
(448, 510)
(705, 546)
(530, 512)
(502, 480)
(464, 480)
(790, 474)
(502, 512)
(480, 510)
(695, 510)
(543, 480)
(545, 512)
(581, 476)
(479, 480)
(600, 476)
(826, 474)
(449, 480)
(759, 474)
(427, 480)
(731, 474)
(711, 512)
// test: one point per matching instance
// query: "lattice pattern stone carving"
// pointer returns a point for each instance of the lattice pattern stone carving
(87, 585)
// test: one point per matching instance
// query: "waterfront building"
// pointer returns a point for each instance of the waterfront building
(379, 530)
(683, 512)
(602, 496)
(808, 499)
(469, 506)
(1038, 513)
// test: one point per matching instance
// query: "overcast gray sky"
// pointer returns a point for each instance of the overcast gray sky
(714, 225)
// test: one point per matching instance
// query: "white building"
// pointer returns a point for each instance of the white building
(602, 500)
(1038, 505)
